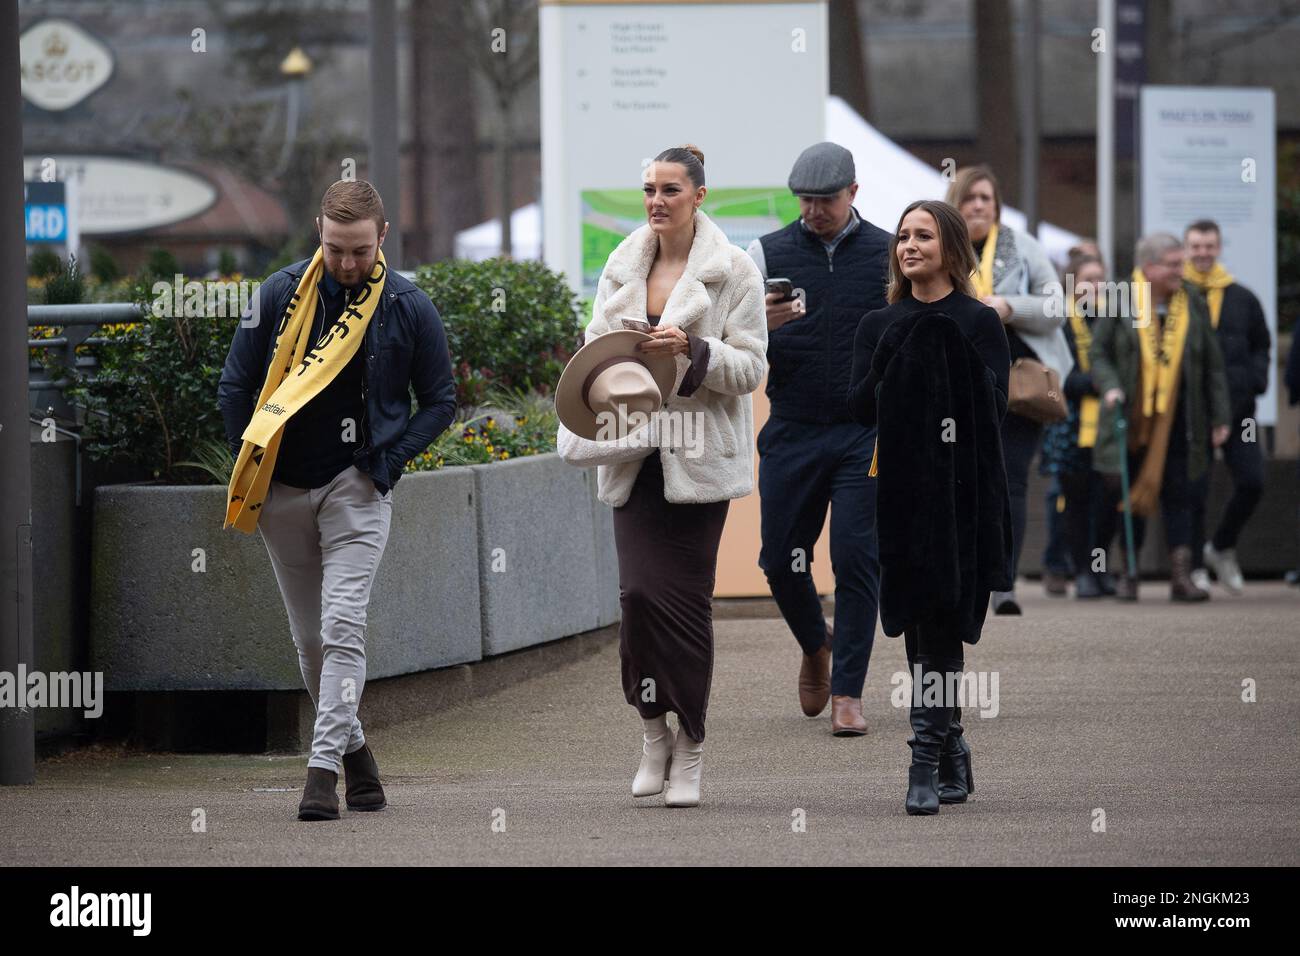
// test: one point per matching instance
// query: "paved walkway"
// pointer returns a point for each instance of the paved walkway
(1133, 710)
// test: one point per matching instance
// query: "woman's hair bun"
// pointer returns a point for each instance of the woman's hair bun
(695, 151)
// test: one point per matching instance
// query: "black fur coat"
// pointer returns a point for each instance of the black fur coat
(942, 509)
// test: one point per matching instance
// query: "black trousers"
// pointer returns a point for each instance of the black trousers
(1177, 491)
(1089, 523)
(1020, 440)
(935, 646)
(1245, 461)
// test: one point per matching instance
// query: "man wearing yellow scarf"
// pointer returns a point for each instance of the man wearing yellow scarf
(315, 395)
(1243, 336)
(1160, 367)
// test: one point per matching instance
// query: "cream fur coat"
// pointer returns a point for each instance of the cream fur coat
(718, 298)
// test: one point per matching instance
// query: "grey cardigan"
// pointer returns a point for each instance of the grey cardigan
(1023, 275)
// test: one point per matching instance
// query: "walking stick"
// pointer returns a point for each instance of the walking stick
(1121, 435)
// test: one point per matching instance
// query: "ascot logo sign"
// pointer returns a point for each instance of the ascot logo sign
(61, 64)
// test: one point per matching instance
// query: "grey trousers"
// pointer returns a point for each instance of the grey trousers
(325, 545)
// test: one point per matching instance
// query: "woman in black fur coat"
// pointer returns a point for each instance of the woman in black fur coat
(931, 369)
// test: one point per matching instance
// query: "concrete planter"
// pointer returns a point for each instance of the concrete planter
(480, 561)
(158, 624)
(546, 553)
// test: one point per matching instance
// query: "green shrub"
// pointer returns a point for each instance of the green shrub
(44, 263)
(157, 378)
(66, 287)
(103, 266)
(157, 382)
(510, 324)
(161, 264)
(227, 264)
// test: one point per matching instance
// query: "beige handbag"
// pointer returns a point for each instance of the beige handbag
(1035, 392)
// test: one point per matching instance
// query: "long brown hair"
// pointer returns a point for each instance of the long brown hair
(955, 250)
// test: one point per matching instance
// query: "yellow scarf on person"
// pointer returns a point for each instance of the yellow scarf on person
(1212, 283)
(298, 372)
(982, 277)
(1162, 349)
(1089, 405)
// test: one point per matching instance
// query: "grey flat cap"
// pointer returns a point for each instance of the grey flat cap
(822, 170)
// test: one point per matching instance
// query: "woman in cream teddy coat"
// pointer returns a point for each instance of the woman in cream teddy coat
(670, 502)
(719, 299)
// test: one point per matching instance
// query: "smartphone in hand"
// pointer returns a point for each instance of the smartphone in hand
(636, 325)
(782, 287)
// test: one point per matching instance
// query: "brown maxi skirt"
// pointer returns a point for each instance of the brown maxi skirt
(667, 562)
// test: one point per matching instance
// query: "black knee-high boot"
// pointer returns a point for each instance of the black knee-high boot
(956, 779)
(929, 731)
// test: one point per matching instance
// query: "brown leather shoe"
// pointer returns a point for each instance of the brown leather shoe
(1055, 584)
(815, 679)
(846, 716)
(320, 799)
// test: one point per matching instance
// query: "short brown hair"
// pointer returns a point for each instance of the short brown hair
(955, 250)
(965, 181)
(1202, 225)
(351, 200)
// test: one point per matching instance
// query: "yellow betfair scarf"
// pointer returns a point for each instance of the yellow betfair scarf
(1212, 283)
(285, 391)
(1090, 405)
(1162, 350)
(983, 276)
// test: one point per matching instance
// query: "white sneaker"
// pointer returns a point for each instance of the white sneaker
(1224, 564)
(1201, 578)
(684, 775)
(656, 755)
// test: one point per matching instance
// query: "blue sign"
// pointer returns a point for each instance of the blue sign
(45, 212)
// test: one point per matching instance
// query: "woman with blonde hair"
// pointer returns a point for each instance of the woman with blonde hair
(703, 300)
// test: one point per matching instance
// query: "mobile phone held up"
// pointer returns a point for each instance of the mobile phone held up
(782, 287)
(636, 325)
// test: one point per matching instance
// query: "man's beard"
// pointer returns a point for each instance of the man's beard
(356, 279)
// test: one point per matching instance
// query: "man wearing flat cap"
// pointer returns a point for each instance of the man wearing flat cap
(811, 452)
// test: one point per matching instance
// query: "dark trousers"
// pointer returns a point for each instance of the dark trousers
(1020, 438)
(935, 646)
(1056, 554)
(1176, 490)
(802, 469)
(1245, 463)
(1089, 522)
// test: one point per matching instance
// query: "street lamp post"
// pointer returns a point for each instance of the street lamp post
(296, 66)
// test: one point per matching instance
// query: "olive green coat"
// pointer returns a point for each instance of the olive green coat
(1116, 359)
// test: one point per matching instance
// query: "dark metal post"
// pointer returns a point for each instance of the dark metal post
(385, 160)
(17, 725)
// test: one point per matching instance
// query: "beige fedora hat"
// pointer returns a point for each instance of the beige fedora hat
(608, 374)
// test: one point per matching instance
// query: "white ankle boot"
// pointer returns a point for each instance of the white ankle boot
(684, 775)
(656, 755)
